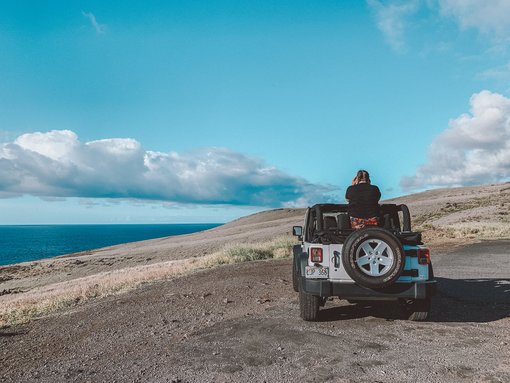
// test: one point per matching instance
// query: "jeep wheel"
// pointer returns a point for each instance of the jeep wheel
(309, 306)
(373, 257)
(431, 288)
(418, 309)
(431, 272)
(295, 275)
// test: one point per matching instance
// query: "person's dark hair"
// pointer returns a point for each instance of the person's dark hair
(363, 176)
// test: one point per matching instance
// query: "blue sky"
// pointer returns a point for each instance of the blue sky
(203, 111)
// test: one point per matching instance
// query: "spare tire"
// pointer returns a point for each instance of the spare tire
(373, 257)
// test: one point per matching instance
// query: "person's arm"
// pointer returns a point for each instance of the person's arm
(378, 194)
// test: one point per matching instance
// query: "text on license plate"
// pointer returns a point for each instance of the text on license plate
(317, 272)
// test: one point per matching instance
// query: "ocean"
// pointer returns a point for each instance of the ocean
(21, 243)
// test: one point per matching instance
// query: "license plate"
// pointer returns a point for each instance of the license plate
(315, 272)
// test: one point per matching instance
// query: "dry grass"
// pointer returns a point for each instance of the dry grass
(445, 239)
(234, 253)
(484, 230)
(22, 307)
(469, 230)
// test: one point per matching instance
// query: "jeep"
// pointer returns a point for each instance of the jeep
(376, 263)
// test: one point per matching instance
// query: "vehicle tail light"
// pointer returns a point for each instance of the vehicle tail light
(424, 256)
(316, 254)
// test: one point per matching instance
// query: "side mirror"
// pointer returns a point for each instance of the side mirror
(297, 231)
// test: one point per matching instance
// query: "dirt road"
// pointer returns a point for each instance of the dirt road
(240, 324)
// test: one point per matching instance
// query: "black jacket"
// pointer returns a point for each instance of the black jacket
(363, 200)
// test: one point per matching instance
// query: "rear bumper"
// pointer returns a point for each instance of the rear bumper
(353, 291)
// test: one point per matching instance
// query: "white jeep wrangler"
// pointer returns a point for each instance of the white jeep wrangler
(387, 262)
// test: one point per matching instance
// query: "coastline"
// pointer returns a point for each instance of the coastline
(35, 288)
(20, 244)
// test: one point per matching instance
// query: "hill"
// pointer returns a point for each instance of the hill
(459, 215)
(448, 218)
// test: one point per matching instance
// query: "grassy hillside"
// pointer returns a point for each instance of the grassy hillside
(460, 215)
(447, 217)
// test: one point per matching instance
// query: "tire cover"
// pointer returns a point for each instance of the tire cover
(359, 237)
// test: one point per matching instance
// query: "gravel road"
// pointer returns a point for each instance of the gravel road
(241, 323)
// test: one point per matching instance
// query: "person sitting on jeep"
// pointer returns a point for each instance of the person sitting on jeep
(363, 198)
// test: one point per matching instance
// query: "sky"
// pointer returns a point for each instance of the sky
(205, 111)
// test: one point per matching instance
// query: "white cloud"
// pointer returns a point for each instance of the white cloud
(100, 28)
(392, 20)
(489, 17)
(500, 73)
(56, 144)
(57, 164)
(474, 149)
